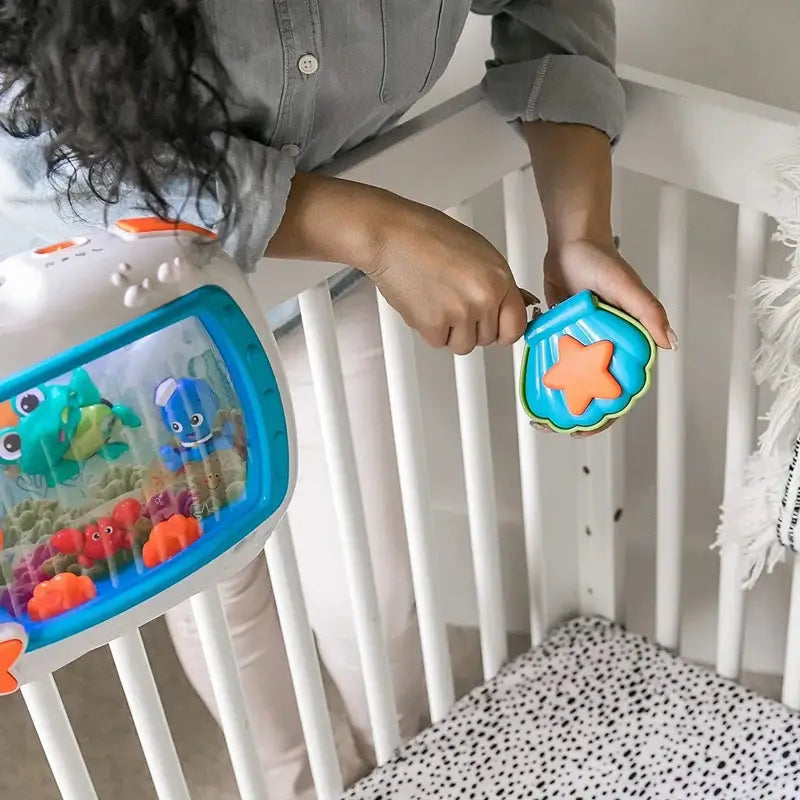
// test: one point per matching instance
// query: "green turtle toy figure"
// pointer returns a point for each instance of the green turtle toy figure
(51, 430)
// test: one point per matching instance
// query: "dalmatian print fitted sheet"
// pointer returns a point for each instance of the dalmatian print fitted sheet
(596, 712)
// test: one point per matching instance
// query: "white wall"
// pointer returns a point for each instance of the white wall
(665, 37)
(745, 47)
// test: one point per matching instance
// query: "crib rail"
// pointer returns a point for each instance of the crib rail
(688, 137)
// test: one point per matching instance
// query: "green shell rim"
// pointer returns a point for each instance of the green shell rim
(648, 369)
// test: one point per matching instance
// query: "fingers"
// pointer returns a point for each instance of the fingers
(640, 303)
(503, 323)
(513, 318)
(623, 288)
(538, 426)
(469, 317)
(463, 339)
(595, 432)
(435, 335)
(488, 327)
(461, 335)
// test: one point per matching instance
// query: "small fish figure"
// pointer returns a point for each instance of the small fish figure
(51, 430)
(189, 408)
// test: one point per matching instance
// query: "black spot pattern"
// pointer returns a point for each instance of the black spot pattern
(596, 713)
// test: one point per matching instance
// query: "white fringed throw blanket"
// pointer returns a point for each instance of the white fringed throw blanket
(762, 519)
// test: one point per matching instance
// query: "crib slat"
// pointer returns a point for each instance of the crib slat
(148, 715)
(401, 375)
(517, 188)
(791, 671)
(217, 647)
(600, 553)
(476, 446)
(304, 663)
(58, 739)
(741, 430)
(673, 289)
(479, 472)
(326, 372)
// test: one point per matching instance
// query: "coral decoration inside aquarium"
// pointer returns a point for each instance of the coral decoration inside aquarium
(114, 469)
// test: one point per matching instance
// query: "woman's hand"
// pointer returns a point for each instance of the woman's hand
(584, 264)
(446, 280)
(572, 164)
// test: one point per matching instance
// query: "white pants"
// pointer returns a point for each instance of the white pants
(248, 600)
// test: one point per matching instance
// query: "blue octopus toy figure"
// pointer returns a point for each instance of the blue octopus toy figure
(189, 408)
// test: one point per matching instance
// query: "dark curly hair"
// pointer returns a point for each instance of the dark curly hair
(131, 92)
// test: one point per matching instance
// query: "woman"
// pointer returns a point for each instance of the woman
(218, 113)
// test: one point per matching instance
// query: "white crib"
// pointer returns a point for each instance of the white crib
(691, 139)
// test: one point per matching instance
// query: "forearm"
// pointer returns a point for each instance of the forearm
(572, 165)
(443, 278)
(331, 220)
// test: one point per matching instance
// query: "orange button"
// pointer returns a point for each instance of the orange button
(10, 651)
(54, 248)
(139, 225)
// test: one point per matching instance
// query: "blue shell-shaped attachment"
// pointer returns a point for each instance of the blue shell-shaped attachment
(585, 319)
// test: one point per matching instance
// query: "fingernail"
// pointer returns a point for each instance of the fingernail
(538, 426)
(672, 338)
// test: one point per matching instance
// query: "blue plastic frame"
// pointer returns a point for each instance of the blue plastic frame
(267, 480)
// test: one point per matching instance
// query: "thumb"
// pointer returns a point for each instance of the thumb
(620, 286)
(513, 316)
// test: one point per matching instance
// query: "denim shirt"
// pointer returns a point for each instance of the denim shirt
(314, 78)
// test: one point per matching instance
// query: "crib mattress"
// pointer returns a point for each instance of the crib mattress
(596, 712)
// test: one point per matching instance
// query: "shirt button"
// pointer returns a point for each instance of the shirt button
(291, 150)
(308, 64)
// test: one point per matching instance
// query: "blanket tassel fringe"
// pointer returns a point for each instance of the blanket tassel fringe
(750, 513)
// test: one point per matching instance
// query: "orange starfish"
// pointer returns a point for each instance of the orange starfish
(582, 373)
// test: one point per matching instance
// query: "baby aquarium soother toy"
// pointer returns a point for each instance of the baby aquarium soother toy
(146, 438)
(585, 363)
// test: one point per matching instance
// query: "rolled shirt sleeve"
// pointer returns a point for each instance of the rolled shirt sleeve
(263, 178)
(34, 212)
(555, 62)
